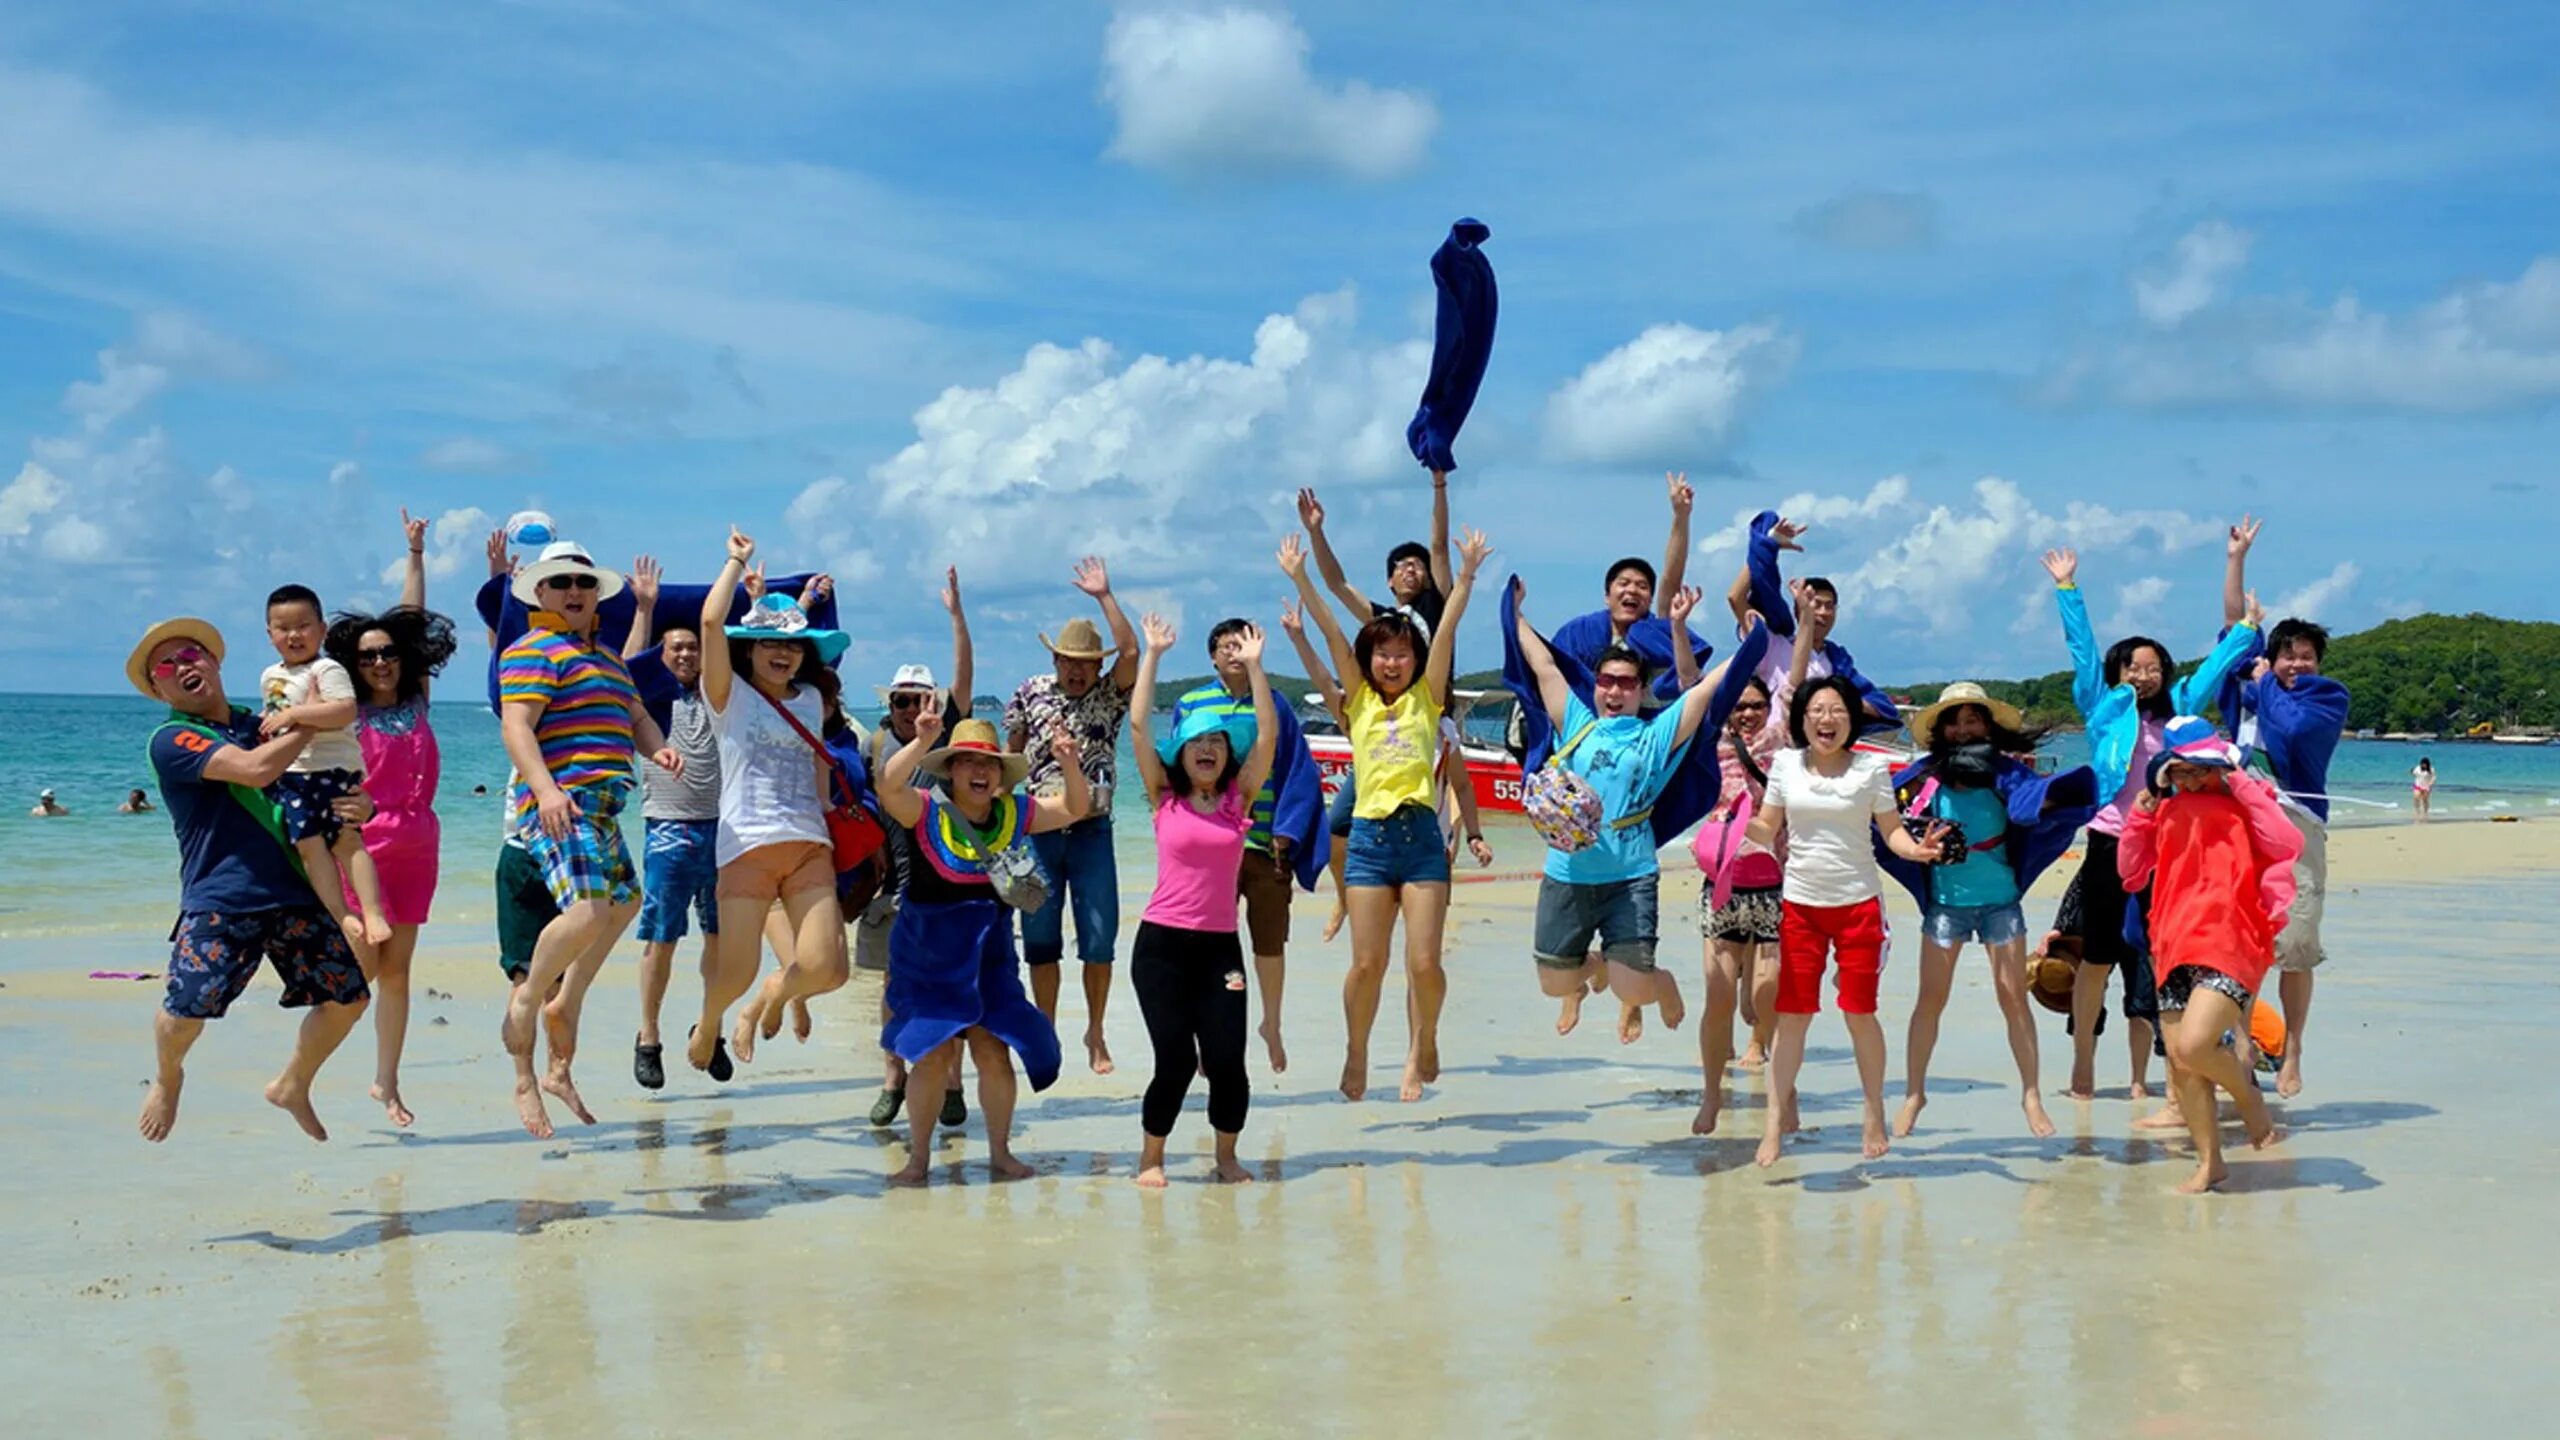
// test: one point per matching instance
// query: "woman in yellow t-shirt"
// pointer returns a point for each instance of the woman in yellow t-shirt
(1395, 690)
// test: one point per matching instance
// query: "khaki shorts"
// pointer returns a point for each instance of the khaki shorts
(2298, 946)
(1264, 888)
(771, 872)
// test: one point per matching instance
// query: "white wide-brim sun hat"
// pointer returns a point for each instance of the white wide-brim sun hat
(564, 557)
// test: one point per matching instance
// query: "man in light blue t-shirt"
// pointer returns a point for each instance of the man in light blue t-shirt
(1610, 889)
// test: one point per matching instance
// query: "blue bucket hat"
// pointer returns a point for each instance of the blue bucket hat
(2191, 740)
(1219, 717)
(779, 617)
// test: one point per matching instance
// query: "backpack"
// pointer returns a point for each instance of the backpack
(1563, 808)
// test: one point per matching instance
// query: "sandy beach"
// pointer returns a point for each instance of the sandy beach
(1537, 1245)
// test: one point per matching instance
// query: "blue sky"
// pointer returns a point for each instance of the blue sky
(895, 290)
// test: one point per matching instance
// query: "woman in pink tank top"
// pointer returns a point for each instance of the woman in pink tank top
(1187, 964)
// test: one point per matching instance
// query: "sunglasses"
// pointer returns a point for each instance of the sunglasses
(183, 655)
(384, 656)
(1615, 682)
(1750, 704)
(570, 582)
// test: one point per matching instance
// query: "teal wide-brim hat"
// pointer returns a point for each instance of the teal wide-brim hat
(779, 617)
(1196, 721)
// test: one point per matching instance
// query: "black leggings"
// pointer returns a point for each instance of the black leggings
(1191, 989)
(2103, 905)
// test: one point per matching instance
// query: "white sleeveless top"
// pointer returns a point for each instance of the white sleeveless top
(768, 775)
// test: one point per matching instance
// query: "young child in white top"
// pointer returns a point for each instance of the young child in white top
(307, 691)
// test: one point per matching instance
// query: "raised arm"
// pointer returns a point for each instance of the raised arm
(1675, 553)
(1142, 708)
(1293, 563)
(1770, 534)
(413, 584)
(964, 655)
(1057, 812)
(1094, 579)
(1472, 548)
(1708, 703)
(1266, 721)
(499, 567)
(715, 620)
(1553, 693)
(1737, 596)
(2191, 693)
(896, 790)
(1684, 656)
(1319, 677)
(1441, 578)
(1311, 514)
(645, 576)
(2088, 678)
(2235, 569)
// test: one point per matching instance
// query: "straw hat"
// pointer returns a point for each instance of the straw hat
(1965, 692)
(977, 737)
(137, 666)
(2049, 975)
(1078, 639)
(564, 557)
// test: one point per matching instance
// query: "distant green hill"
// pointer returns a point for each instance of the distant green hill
(2439, 673)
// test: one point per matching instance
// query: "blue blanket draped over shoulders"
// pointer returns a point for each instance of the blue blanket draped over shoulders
(1695, 783)
(2037, 835)
(1462, 343)
(1585, 637)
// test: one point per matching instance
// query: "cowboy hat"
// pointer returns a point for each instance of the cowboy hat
(2049, 975)
(779, 617)
(977, 737)
(1078, 639)
(137, 666)
(1219, 716)
(1965, 692)
(909, 677)
(2190, 740)
(564, 557)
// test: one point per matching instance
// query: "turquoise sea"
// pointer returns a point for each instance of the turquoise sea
(96, 871)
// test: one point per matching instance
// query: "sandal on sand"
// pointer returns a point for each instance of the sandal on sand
(884, 1111)
(649, 1065)
(955, 1111)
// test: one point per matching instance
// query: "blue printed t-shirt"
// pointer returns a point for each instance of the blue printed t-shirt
(1982, 877)
(1627, 760)
(227, 861)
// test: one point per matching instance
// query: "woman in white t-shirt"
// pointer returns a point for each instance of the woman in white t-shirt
(773, 843)
(1826, 797)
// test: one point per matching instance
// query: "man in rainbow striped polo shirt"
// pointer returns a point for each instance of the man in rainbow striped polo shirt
(569, 715)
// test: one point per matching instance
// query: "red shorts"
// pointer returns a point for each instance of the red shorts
(1808, 935)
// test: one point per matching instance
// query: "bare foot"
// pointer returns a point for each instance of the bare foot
(295, 1100)
(1412, 1089)
(2138, 1090)
(2272, 1135)
(537, 1121)
(1569, 1011)
(1279, 1053)
(801, 1024)
(2205, 1178)
(2039, 1124)
(1675, 1008)
(699, 1048)
(389, 1096)
(2167, 1117)
(1753, 1057)
(557, 1085)
(1912, 1105)
(1151, 1178)
(1355, 1077)
(1008, 1168)
(160, 1109)
(1630, 1023)
(1768, 1152)
(2289, 1078)
(2084, 1083)
(377, 931)
(1426, 1058)
(1096, 1053)
(910, 1174)
(1333, 923)
(362, 942)
(1872, 1143)
(1231, 1173)
(743, 1035)
(1710, 1110)
(1789, 1121)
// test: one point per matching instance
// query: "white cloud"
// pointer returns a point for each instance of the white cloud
(1871, 220)
(1223, 92)
(35, 492)
(1172, 468)
(75, 539)
(2319, 599)
(2137, 604)
(2192, 275)
(1807, 508)
(1672, 395)
(454, 537)
(470, 454)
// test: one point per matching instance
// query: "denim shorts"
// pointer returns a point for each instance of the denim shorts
(1405, 848)
(1622, 914)
(1950, 925)
(679, 870)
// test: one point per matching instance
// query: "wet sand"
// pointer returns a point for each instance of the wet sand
(1537, 1245)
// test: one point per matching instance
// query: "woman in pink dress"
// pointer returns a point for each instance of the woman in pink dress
(394, 656)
